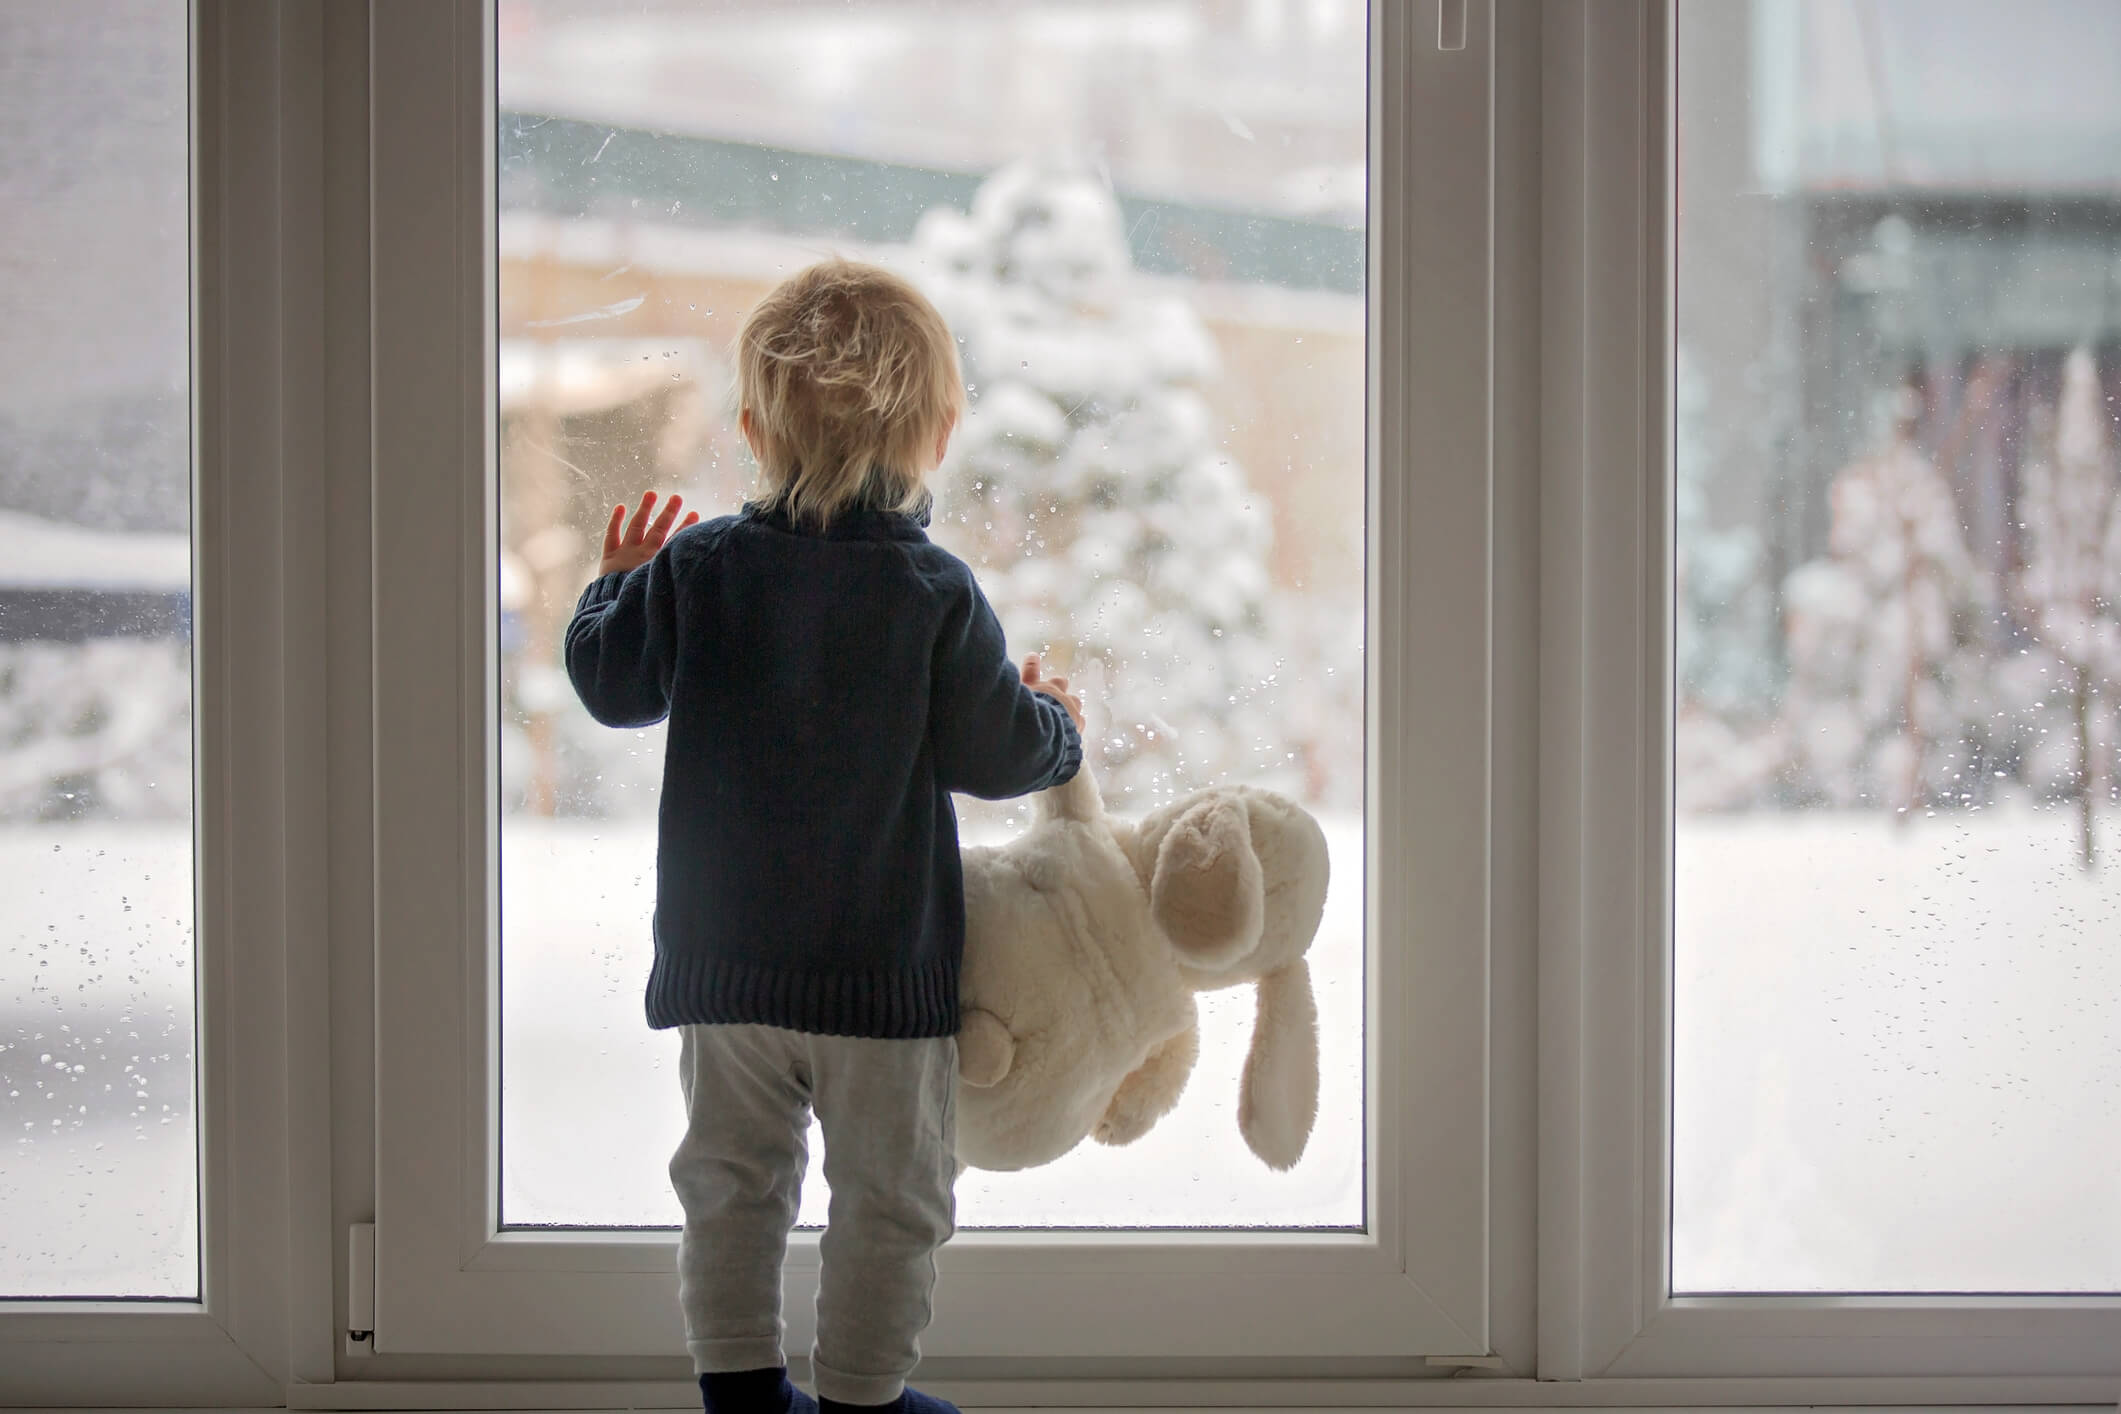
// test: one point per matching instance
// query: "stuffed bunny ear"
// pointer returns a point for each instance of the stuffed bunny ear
(1279, 1101)
(1207, 893)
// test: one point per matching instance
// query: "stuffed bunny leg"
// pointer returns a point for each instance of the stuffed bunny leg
(1279, 1099)
(1076, 798)
(985, 1049)
(1148, 1094)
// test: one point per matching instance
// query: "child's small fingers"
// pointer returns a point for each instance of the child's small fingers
(1061, 683)
(691, 518)
(670, 514)
(1031, 668)
(639, 524)
(613, 526)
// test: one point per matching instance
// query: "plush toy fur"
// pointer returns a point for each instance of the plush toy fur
(1086, 939)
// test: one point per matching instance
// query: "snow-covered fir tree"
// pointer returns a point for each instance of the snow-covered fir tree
(1089, 487)
(1884, 638)
(2068, 593)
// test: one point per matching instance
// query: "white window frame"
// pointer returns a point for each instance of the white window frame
(263, 1067)
(1606, 1312)
(450, 1281)
(1521, 322)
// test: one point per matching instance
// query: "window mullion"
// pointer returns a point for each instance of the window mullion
(265, 1091)
(1603, 298)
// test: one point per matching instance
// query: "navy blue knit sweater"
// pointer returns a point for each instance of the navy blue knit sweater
(826, 693)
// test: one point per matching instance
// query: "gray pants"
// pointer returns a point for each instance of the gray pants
(888, 1110)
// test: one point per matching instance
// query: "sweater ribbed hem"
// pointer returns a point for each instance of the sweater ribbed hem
(913, 1004)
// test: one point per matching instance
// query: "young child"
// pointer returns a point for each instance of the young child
(830, 678)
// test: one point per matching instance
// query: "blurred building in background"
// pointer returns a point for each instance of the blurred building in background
(1882, 195)
(1897, 220)
(95, 417)
(663, 165)
(662, 160)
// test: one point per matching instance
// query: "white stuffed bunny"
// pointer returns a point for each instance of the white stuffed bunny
(1085, 940)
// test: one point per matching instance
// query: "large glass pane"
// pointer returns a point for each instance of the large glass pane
(1898, 695)
(98, 1150)
(1145, 221)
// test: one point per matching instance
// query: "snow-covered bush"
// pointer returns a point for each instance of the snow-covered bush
(1887, 660)
(1725, 648)
(2068, 595)
(1727, 673)
(1719, 767)
(1089, 488)
(100, 729)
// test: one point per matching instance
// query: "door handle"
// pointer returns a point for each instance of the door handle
(1450, 24)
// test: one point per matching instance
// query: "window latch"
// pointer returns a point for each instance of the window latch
(1462, 1363)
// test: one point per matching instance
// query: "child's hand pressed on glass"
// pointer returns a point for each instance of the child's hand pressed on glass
(629, 545)
(1055, 688)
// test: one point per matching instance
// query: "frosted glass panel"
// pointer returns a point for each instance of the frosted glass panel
(1146, 225)
(98, 1149)
(1898, 693)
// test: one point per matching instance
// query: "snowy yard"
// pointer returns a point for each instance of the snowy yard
(97, 1155)
(1898, 1055)
(1897, 1061)
(583, 1075)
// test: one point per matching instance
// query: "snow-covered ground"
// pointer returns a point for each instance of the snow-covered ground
(582, 1075)
(98, 1194)
(1898, 1061)
(1897, 1055)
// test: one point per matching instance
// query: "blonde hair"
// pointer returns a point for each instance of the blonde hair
(850, 376)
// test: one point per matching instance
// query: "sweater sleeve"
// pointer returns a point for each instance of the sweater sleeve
(622, 645)
(994, 737)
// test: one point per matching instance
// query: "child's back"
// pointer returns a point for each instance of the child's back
(830, 677)
(826, 692)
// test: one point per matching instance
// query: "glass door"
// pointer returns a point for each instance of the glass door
(1147, 226)
(1183, 475)
(1896, 986)
(99, 1145)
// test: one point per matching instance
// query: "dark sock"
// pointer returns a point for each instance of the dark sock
(911, 1402)
(754, 1392)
